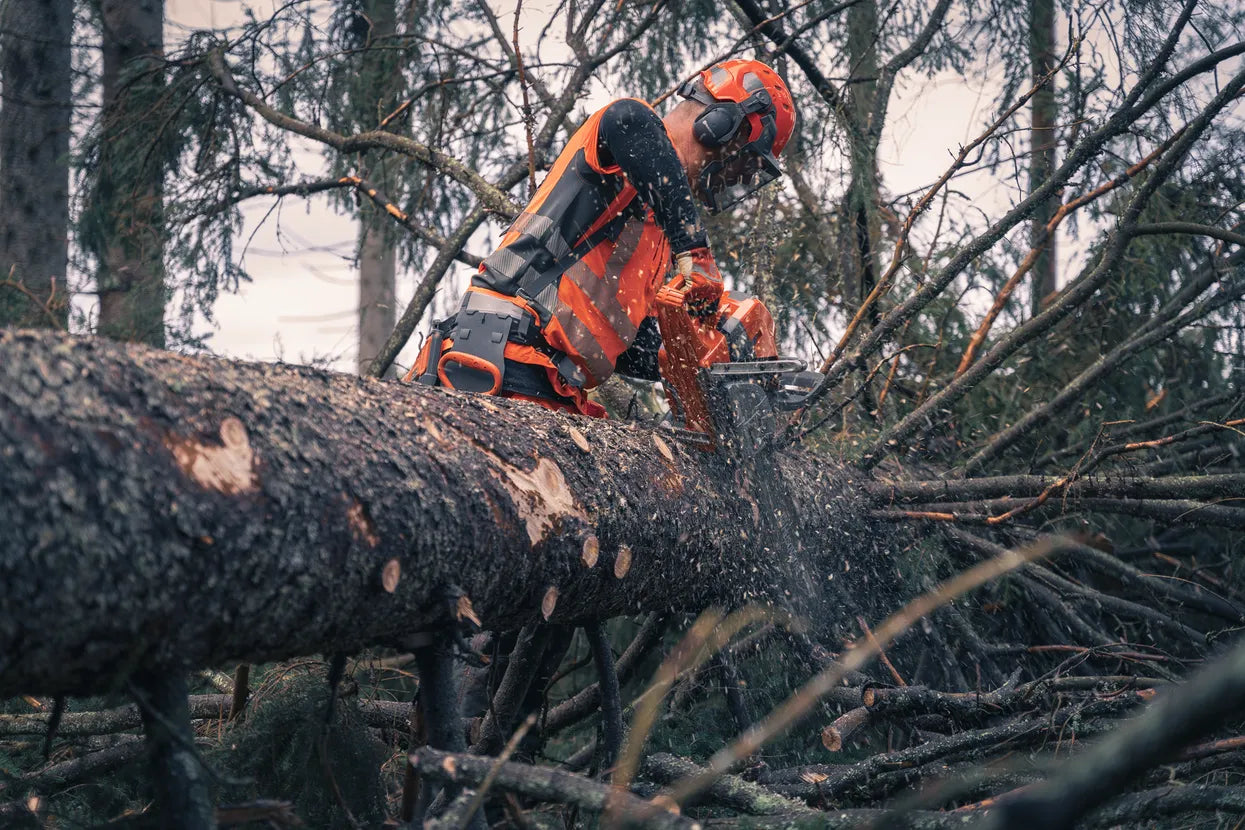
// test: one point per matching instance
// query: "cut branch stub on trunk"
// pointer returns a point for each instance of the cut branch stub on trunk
(170, 510)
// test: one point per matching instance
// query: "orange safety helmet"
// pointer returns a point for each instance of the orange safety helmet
(734, 93)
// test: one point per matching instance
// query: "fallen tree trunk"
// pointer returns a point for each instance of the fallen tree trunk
(165, 510)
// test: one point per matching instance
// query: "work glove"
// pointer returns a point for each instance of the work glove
(698, 279)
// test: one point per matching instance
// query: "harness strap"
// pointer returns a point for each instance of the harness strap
(486, 321)
(539, 288)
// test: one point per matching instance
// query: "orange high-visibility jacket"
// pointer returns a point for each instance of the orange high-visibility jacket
(598, 304)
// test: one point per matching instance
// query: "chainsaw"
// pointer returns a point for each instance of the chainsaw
(725, 382)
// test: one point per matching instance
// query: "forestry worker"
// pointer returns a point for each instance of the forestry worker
(567, 298)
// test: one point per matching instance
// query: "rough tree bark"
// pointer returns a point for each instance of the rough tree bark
(377, 295)
(128, 193)
(1043, 142)
(863, 135)
(377, 253)
(172, 511)
(34, 161)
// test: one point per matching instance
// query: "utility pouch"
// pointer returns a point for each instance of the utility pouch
(477, 361)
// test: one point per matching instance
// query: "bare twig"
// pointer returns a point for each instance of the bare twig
(47, 305)
(890, 667)
(403, 218)
(508, 750)
(544, 783)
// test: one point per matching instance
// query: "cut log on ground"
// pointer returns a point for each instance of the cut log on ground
(165, 510)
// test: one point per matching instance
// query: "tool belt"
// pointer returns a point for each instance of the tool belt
(476, 360)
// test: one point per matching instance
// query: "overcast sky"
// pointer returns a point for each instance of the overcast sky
(301, 304)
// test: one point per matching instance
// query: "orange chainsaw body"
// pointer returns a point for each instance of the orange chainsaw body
(742, 329)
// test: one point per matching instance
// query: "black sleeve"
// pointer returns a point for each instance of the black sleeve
(632, 136)
(640, 360)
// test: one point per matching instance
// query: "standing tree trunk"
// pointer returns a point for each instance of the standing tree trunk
(34, 161)
(126, 206)
(377, 276)
(381, 80)
(1042, 144)
(863, 136)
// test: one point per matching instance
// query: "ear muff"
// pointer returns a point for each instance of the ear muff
(718, 124)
